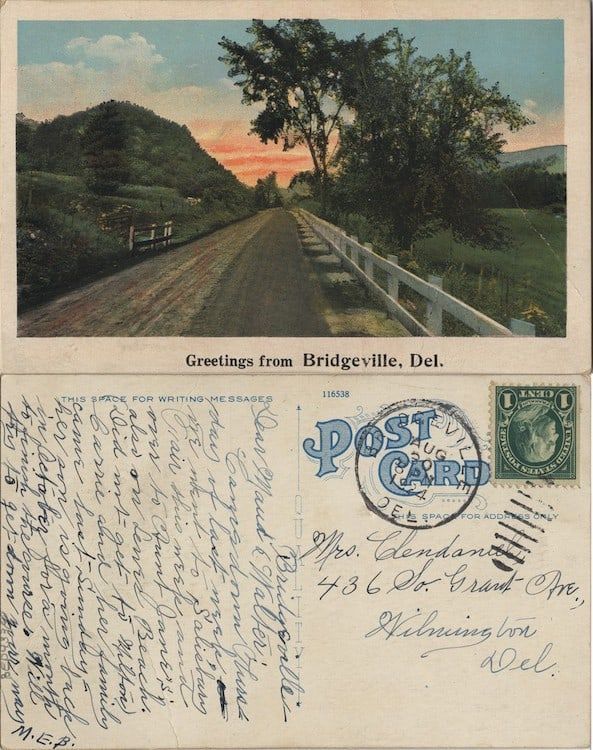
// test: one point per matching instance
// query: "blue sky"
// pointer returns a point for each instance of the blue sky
(173, 68)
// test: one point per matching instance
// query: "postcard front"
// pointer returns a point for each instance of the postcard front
(186, 186)
(301, 562)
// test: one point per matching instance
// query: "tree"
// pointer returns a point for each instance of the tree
(297, 69)
(423, 130)
(24, 137)
(267, 194)
(105, 143)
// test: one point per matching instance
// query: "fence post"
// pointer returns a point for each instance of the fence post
(434, 311)
(369, 266)
(522, 327)
(392, 280)
(354, 250)
(346, 245)
(131, 239)
(152, 236)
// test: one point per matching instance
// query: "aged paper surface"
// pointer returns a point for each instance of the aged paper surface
(272, 474)
(104, 327)
(295, 562)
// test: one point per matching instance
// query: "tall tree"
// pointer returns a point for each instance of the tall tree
(423, 129)
(105, 143)
(297, 70)
(267, 193)
(24, 137)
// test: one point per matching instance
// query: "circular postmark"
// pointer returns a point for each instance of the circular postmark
(418, 463)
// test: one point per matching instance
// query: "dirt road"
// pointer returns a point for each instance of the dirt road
(249, 279)
(268, 291)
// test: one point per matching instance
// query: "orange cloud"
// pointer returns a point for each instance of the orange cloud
(230, 142)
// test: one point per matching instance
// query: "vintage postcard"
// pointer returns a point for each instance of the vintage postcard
(214, 215)
(295, 562)
(271, 185)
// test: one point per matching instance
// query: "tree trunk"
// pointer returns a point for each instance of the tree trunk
(321, 191)
(323, 198)
(405, 242)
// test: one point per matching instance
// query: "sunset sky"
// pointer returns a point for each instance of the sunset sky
(172, 67)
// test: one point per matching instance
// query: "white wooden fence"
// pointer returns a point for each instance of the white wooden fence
(362, 262)
(150, 236)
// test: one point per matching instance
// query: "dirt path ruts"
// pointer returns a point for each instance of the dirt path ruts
(159, 297)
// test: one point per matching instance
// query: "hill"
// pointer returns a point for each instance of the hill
(158, 151)
(554, 157)
(85, 178)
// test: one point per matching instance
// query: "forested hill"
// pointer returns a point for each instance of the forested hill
(158, 151)
(552, 157)
(84, 179)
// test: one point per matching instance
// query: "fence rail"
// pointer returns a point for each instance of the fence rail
(158, 234)
(362, 261)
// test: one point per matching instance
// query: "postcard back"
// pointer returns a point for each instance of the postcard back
(373, 562)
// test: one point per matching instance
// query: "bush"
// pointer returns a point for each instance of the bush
(67, 234)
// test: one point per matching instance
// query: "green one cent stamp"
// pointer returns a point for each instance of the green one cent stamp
(535, 433)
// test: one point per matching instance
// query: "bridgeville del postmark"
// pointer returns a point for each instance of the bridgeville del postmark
(418, 462)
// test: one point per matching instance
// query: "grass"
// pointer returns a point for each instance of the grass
(527, 281)
(66, 234)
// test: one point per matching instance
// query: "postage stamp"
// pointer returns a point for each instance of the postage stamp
(534, 433)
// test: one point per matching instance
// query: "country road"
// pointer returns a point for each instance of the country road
(268, 292)
(248, 279)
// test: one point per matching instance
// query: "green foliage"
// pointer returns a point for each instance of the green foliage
(300, 71)
(422, 132)
(529, 185)
(158, 151)
(302, 183)
(55, 248)
(84, 179)
(25, 130)
(67, 233)
(267, 193)
(504, 284)
(104, 144)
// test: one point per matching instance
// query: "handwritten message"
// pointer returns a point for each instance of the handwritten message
(142, 569)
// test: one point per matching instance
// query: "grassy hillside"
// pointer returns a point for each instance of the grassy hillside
(68, 231)
(554, 157)
(158, 151)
